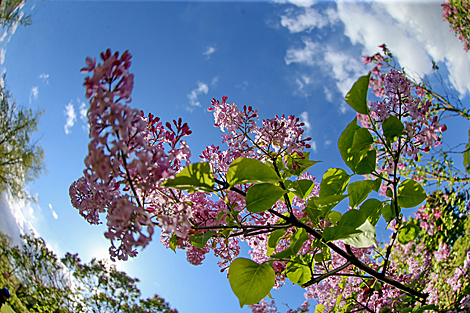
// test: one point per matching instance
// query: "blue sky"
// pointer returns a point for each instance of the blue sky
(280, 57)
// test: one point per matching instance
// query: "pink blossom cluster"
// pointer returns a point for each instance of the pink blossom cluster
(457, 14)
(264, 307)
(402, 100)
(352, 286)
(126, 159)
(282, 135)
(279, 136)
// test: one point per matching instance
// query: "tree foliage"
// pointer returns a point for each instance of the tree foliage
(40, 281)
(21, 160)
(10, 14)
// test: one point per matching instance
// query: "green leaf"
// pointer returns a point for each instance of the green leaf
(365, 161)
(313, 213)
(302, 165)
(297, 240)
(362, 140)
(250, 281)
(340, 232)
(378, 183)
(245, 170)
(345, 143)
(408, 233)
(410, 194)
(352, 218)
(262, 197)
(200, 240)
(357, 96)
(366, 237)
(392, 128)
(284, 254)
(334, 182)
(196, 177)
(302, 188)
(334, 217)
(273, 240)
(389, 212)
(372, 208)
(320, 308)
(466, 155)
(298, 273)
(324, 255)
(427, 307)
(358, 191)
(324, 204)
(173, 242)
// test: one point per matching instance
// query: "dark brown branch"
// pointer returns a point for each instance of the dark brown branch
(323, 276)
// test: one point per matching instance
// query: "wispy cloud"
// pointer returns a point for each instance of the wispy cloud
(45, 78)
(243, 85)
(194, 94)
(414, 32)
(303, 55)
(54, 214)
(302, 82)
(3, 52)
(33, 95)
(306, 20)
(83, 116)
(17, 217)
(214, 82)
(209, 51)
(15, 24)
(70, 117)
(308, 129)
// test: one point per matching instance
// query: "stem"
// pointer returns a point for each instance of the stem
(323, 276)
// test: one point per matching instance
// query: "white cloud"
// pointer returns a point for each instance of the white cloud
(83, 116)
(33, 95)
(303, 55)
(308, 128)
(243, 86)
(306, 20)
(15, 24)
(345, 69)
(209, 51)
(2, 81)
(215, 80)
(70, 117)
(313, 143)
(328, 94)
(302, 82)
(54, 214)
(302, 3)
(5, 32)
(3, 52)
(16, 217)
(193, 95)
(304, 119)
(414, 32)
(45, 78)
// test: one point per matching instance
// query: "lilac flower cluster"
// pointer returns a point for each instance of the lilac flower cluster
(457, 14)
(125, 160)
(280, 136)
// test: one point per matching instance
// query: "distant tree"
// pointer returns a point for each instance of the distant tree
(103, 288)
(43, 282)
(457, 14)
(20, 159)
(10, 14)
